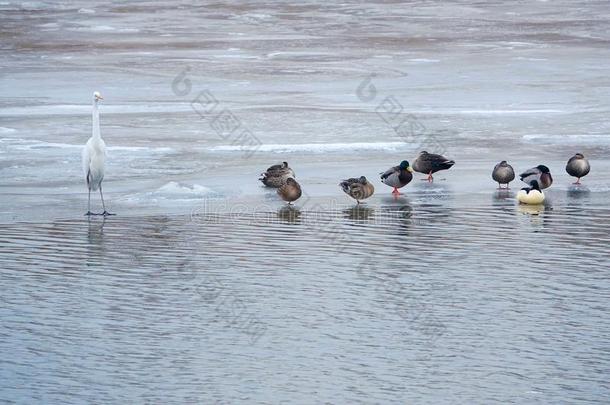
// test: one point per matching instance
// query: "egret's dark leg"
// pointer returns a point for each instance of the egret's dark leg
(89, 204)
(105, 213)
(102, 196)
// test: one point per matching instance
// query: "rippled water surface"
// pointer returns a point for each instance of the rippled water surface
(206, 288)
(418, 302)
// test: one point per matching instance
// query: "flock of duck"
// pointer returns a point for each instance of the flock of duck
(282, 177)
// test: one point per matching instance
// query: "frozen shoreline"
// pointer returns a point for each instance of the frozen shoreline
(237, 188)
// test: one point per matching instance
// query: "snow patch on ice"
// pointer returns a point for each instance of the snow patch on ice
(182, 189)
(558, 139)
(30, 144)
(173, 191)
(314, 147)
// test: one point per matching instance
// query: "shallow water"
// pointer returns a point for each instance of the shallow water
(420, 302)
(206, 288)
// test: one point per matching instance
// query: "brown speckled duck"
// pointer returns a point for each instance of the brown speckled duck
(276, 175)
(290, 191)
(357, 188)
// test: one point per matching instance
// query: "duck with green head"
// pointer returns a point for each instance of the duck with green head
(398, 176)
(540, 173)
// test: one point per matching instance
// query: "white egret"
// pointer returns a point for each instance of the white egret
(94, 156)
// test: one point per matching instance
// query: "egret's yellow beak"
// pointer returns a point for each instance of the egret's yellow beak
(100, 97)
(409, 169)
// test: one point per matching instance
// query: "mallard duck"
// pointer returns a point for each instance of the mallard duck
(276, 175)
(358, 189)
(398, 176)
(280, 169)
(578, 166)
(540, 173)
(290, 191)
(531, 195)
(428, 163)
(273, 181)
(503, 173)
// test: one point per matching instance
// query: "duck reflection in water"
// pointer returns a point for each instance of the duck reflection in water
(578, 191)
(290, 214)
(394, 202)
(396, 216)
(530, 209)
(359, 213)
(503, 197)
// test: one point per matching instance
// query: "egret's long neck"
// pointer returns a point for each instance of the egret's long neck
(96, 121)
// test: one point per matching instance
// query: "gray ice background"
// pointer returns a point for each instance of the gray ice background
(450, 294)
